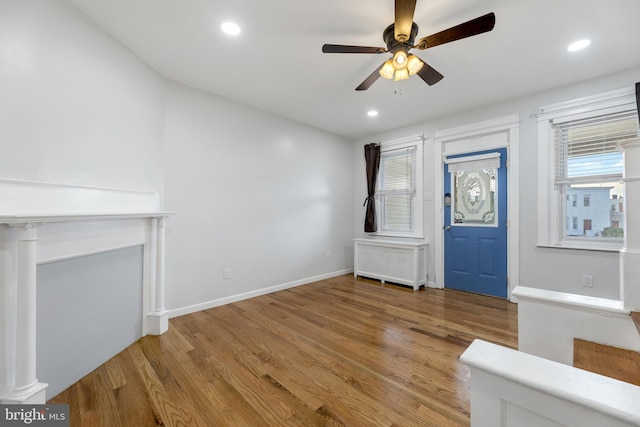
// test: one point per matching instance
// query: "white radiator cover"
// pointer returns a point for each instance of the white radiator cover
(391, 261)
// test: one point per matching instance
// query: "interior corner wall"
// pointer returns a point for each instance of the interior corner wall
(546, 268)
(267, 198)
(76, 107)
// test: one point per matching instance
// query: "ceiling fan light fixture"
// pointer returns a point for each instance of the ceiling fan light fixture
(400, 38)
(387, 70)
(414, 64)
(402, 74)
(400, 60)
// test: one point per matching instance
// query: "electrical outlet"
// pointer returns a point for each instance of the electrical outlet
(226, 273)
(587, 281)
(327, 255)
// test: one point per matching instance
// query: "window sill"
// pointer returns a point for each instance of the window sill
(582, 247)
(396, 235)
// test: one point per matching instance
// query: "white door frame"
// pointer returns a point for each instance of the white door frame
(469, 138)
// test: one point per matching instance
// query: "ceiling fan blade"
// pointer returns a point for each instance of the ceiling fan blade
(474, 27)
(404, 19)
(430, 75)
(340, 48)
(371, 79)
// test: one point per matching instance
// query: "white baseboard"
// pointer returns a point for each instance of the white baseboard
(258, 292)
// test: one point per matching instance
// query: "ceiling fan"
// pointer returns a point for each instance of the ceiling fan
(400, 37)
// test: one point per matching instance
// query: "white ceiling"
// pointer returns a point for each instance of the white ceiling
(276, 63)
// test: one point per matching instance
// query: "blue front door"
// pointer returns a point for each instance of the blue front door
(475, 236)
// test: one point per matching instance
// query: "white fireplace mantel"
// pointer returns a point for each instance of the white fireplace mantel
(31, 239)
(50, 218)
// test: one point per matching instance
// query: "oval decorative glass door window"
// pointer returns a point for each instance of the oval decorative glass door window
(474, 195)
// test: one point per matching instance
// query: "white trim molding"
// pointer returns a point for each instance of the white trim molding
(477, 137)
(589, 104)
(630, 252)
(404, 141)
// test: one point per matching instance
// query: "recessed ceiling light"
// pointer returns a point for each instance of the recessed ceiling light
(230, 28)
(579, 45)
(372, 113)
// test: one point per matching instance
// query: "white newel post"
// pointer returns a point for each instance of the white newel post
(158, 319)
(26, 388)
(630, 253)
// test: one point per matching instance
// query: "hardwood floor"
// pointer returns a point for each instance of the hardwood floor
(613, 362)
(339, 352)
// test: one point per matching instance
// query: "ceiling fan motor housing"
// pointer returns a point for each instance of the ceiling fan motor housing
(394, 45)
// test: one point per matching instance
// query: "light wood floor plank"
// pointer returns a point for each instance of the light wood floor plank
(614, 362)
(338, 352)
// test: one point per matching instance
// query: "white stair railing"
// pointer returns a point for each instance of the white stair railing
(510, 388)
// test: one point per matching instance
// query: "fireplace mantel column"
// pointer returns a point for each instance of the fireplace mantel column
(630, 253)
(26, 388)
(158, 319)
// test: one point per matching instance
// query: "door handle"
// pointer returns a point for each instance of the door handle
(447, 228)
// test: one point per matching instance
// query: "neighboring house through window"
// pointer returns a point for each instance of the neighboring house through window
(579, 159)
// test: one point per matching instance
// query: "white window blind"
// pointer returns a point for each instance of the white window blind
(480, 161)
(397, 187)
(585, 149)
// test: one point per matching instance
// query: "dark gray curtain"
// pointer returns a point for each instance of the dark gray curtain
(638, 97)
(372, 159)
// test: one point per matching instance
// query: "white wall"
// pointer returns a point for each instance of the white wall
(553, 269)
(261, 195)
(75, 106)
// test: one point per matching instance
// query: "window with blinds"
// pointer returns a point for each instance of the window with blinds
(580, 194)
(585, 150)
(397, 188)
(588, 168)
